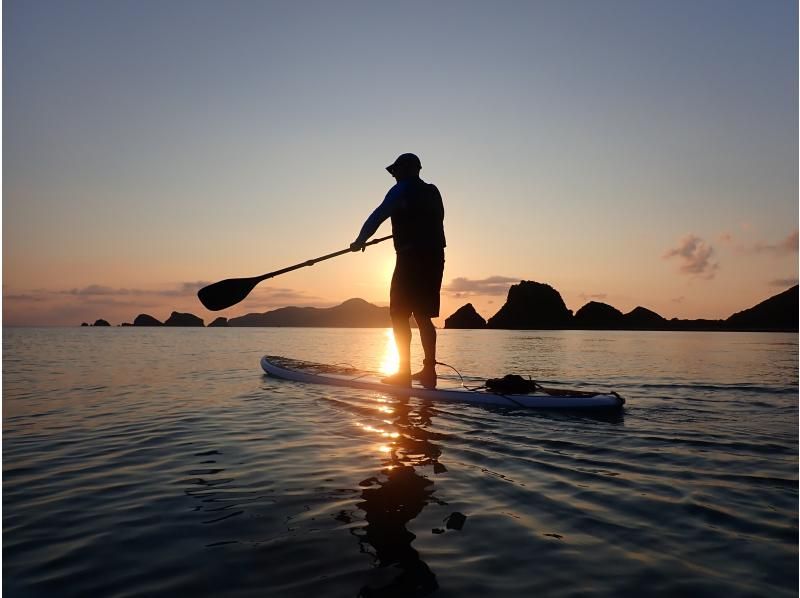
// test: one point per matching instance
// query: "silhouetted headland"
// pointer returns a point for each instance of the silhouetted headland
(353, 313)
(220, 322)
(777, 312)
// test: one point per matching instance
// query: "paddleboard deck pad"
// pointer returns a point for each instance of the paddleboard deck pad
(350, 377)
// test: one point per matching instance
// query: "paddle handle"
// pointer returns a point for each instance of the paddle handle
(315, 260)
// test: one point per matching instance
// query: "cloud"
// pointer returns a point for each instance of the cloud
(273, 297)
(184, 289)
(784, 247)
(24, 297)
(493, 285)
(695, 257)
(593, 296)
(787, 246)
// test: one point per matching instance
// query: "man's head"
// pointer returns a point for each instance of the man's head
(406, 166)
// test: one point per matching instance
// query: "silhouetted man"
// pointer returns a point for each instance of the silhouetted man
(417, 214)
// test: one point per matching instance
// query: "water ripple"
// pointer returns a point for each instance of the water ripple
(188, 472)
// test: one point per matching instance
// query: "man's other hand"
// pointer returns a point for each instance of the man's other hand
(357, 246)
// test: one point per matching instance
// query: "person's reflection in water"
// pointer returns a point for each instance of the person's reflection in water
(391, 502)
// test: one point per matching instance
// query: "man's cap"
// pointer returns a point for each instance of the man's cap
(405, 161)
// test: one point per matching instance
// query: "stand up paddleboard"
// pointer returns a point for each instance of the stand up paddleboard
(333, 375)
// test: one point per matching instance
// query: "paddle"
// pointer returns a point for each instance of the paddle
(230, 291)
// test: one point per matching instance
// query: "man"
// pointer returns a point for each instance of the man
(417, 214)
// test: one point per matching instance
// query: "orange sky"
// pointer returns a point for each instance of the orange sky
(650, 159)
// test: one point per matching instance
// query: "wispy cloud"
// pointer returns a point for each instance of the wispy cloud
(695, 256)
(493, 285)
(783, 282)
(273, 297)
(725, 237)
(24, 297)
(593, 296)
(786, 246)
(183, 289)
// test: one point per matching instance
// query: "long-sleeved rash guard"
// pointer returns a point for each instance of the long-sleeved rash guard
(417, 214)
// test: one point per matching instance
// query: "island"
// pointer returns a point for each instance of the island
(529, 305)
(532, 305)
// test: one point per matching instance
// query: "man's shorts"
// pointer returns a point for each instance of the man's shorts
(416, 283)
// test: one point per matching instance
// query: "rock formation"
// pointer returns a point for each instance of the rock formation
(183, 319)
(532, 305)
(776, 313)
(101, 323)
(598, 316)
(465, 317)
(641, 318)
(219, 323)
(146, 320)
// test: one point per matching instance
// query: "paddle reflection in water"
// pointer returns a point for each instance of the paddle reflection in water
(396, 497)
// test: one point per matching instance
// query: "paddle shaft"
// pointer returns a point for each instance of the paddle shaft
(231, 291)
(315, 260)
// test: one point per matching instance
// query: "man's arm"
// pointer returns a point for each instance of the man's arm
(381, 213)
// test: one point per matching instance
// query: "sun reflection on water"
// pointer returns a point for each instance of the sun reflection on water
(391, 360)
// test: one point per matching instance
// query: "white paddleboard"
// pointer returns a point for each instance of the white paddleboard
(334, 375)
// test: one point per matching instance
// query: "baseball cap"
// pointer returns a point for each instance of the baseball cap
(405, 161)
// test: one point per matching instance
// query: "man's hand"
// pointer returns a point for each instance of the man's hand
(357, 245)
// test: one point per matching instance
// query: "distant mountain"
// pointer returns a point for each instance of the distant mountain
(353, 313)
(776, 313)
(641, 318)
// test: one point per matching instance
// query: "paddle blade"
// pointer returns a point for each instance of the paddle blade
(225, 293)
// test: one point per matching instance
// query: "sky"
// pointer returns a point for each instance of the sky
(637, 153)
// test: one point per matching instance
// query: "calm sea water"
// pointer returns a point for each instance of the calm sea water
(162, 462)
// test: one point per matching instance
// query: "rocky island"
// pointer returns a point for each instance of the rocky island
(537, 306)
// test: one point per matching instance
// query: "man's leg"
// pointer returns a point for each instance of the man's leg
(427, 334)
(402, 340)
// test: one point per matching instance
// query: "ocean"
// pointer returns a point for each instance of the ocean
(163, 462)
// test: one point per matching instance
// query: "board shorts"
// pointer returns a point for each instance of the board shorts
(416, 283)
